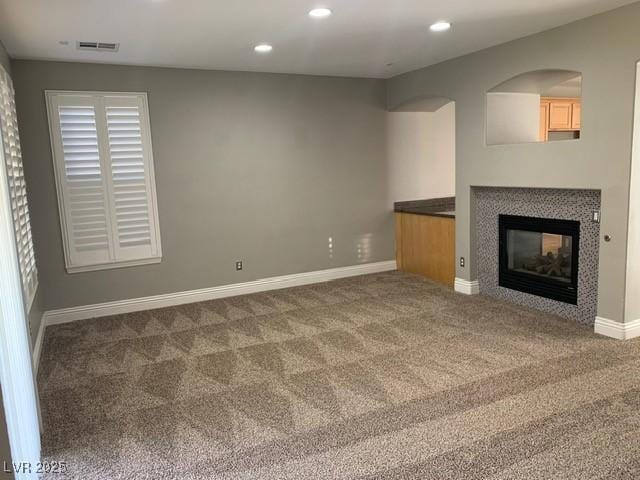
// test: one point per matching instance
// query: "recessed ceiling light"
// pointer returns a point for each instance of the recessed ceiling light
(320, 12)
(263, 48)
(440, 27)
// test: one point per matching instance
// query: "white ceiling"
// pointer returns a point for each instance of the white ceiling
(360, 39)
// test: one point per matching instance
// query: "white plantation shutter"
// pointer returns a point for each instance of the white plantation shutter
(83, 185)
(135, 229)
(17, 188)
(104, 171)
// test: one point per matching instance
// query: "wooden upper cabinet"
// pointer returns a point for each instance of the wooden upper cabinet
(544, 122)
(563, 114)
(576, 113)
(560, 116)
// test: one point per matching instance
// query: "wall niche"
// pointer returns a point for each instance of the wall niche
(421, 143)
(537, 106)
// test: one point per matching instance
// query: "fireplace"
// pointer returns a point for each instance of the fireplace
(539, 256)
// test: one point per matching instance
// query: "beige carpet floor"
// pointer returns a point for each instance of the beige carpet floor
(384, 376)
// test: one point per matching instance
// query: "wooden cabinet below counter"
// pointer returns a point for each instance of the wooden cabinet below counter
(425, 245)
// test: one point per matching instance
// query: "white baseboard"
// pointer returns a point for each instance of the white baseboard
(37, 346)
(467, 287)
(620, 331)
(65, 315)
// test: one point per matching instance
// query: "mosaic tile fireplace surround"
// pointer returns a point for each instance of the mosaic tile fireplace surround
(552, 261)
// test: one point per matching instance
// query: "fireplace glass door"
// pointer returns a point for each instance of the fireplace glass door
(540, 256)
(539, 253)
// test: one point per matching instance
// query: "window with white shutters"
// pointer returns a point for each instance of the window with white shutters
(104, 173)
(12, 156)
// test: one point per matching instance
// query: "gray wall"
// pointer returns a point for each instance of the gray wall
(605, 49)
(35, 314)
(256, 167)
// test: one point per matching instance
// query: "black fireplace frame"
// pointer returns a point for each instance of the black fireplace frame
(547, 287)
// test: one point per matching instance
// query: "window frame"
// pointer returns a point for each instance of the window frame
(59, 165)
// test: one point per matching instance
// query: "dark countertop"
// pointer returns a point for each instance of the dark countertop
(435, 207)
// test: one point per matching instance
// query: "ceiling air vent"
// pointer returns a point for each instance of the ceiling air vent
(99, 46)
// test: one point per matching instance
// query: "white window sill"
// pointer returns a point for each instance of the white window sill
(113, 266)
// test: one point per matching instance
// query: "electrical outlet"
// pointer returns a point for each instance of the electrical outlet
(239, 265)
(462, 261)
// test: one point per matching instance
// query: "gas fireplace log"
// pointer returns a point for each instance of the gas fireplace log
(555, 269)
(549, 264)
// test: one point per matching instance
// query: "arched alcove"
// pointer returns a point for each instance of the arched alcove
(421, 149)
(536, 106)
